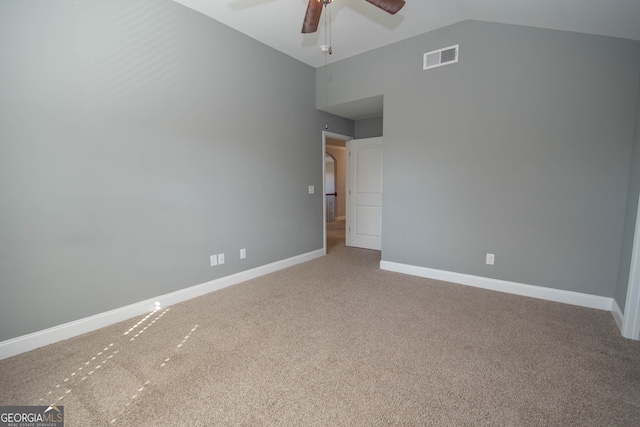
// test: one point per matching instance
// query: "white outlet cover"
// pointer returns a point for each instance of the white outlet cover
(214, 260)
(220, 259)
(312, 189)
(491, 259)
(243, 253)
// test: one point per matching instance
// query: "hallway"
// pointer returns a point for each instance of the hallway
(335, 234)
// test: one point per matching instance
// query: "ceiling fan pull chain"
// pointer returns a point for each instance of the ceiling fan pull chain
(330, 33)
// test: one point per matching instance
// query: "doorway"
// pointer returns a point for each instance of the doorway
(334, 234)
(330, 178)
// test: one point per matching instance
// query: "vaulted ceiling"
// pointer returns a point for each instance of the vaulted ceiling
(357, 26)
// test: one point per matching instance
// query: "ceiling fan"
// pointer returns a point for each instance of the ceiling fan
(314, 10)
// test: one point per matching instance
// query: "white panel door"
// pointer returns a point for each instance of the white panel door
(364, 194)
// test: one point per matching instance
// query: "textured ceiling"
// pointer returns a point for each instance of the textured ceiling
(357, 26)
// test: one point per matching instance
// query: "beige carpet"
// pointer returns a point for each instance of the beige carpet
(335, 342)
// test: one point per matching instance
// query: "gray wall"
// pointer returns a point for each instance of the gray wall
(368, 128)
(521, 149)
(630, 218)
(137, 138)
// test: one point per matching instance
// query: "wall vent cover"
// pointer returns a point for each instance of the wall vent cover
(440, 57)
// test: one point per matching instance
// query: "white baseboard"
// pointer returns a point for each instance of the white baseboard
(550, 294)
(617, 314)
(38, 339)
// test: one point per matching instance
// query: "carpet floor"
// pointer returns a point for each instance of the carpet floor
(338, 342)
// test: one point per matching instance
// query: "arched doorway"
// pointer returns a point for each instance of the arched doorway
(330, 178)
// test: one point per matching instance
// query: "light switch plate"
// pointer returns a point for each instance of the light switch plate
(491, 259)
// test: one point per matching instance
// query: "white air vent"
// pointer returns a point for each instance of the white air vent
(440, 57)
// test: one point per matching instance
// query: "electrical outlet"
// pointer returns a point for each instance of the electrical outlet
(312, 189)
(243, 253)
(214, 260)
(220, 259)
(491, 259)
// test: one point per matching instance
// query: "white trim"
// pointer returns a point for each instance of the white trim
(557, 295)
(617, 314)
(334, 135)
(341, 218)
(32, 341)
(631, 324)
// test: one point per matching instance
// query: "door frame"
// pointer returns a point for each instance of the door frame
(325, 135)
(631, 320)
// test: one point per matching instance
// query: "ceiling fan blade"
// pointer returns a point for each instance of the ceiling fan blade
(312, 17)
(389, 6)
